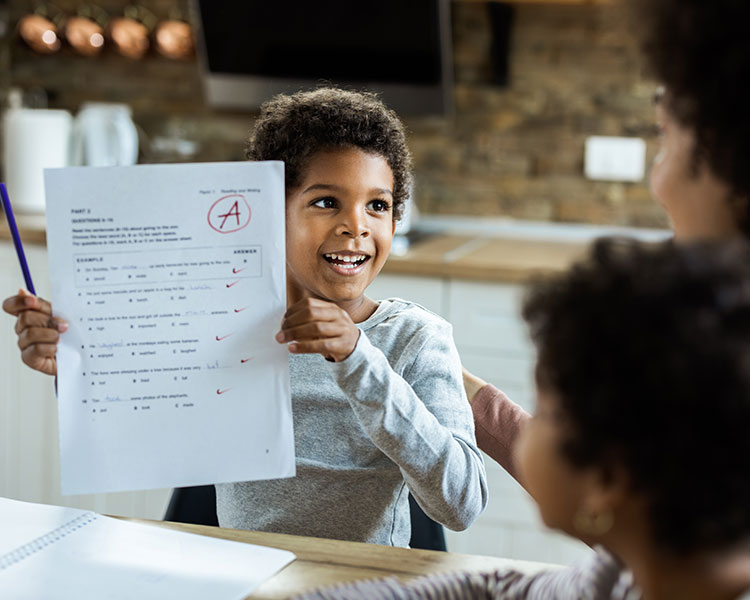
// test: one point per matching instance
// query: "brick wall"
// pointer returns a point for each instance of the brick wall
(514, 151)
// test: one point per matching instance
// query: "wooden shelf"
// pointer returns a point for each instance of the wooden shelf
(569, 2)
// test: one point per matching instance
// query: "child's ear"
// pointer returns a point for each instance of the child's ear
(393, 226)
(608, 487)
(605, 491)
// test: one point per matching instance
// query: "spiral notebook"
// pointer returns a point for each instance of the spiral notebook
(54, 552)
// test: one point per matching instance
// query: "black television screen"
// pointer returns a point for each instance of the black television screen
(252, 49)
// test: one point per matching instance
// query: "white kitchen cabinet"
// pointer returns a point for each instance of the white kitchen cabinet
(486, 318)
(492, 341)
(29, 450)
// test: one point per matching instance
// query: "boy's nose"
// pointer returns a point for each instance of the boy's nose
(354, 224)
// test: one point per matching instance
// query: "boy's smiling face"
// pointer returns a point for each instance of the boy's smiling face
(339, 223)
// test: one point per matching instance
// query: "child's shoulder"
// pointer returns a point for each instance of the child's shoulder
(405, 314)
(406, 331)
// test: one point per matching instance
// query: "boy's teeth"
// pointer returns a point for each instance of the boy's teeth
(347, 258)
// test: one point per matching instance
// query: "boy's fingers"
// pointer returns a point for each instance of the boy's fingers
(38, 352)
(309, 331)
(38, 335)
(308, 304)
(33, 318)
(25, 301)
(41, 358)
(40, 304)
(327, 312)
(13, 305)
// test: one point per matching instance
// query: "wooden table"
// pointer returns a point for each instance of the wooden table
(323, 562)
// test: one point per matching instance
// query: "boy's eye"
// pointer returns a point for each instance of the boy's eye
(327, 202)
(380, 206)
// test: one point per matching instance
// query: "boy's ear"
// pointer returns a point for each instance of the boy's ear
(393, 226)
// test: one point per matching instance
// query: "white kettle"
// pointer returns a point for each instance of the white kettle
(104, 135)
(34, 139)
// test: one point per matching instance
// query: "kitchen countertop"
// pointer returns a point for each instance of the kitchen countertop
(30, 227)
(501, 252)
(485, 258)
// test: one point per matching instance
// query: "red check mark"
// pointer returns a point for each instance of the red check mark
(235, 270)
(233, 283)
(241, 309)
(223, 337)
(244, 360)
(220, 392)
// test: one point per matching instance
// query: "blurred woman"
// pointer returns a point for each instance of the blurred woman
(700, 53)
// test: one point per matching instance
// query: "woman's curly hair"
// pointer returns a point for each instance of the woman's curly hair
(294, 127)
(700, 51)
(648, 350)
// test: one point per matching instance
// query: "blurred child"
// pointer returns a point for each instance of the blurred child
(378, 402)
(640, 443)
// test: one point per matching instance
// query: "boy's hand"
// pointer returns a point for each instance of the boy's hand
(318, 327)
(38, 331)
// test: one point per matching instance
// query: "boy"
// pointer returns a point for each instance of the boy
(378, 402)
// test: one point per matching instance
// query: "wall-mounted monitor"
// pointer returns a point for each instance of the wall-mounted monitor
(253, 49)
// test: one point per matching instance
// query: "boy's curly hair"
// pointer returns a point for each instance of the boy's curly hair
(700, 50)
(294, 127)
(648, 350)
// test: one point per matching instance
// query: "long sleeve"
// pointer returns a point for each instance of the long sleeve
(599, 577)
(390, 419)
(498, 421)
(420, 419)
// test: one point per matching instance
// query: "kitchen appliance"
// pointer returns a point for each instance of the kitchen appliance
(104, 135)
(33, 139)
(253, 49)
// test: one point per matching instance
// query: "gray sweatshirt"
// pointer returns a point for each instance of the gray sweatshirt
(393, 414)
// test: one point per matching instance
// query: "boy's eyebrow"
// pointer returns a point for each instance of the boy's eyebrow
(338, 188)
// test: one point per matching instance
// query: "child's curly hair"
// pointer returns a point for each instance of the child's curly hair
(700, 50)
(294, 127)
(648, 351)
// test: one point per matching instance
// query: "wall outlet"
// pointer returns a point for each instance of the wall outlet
(615, 158)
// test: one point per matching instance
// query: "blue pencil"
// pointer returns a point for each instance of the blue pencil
(16, 239)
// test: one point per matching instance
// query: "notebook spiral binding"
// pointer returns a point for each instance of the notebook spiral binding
(15, 556)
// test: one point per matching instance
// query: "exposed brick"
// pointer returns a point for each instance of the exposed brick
(515, 151)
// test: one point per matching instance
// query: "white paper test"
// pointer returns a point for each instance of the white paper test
(172, 278)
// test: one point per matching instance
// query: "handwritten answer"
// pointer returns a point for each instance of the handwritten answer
(169, 374)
